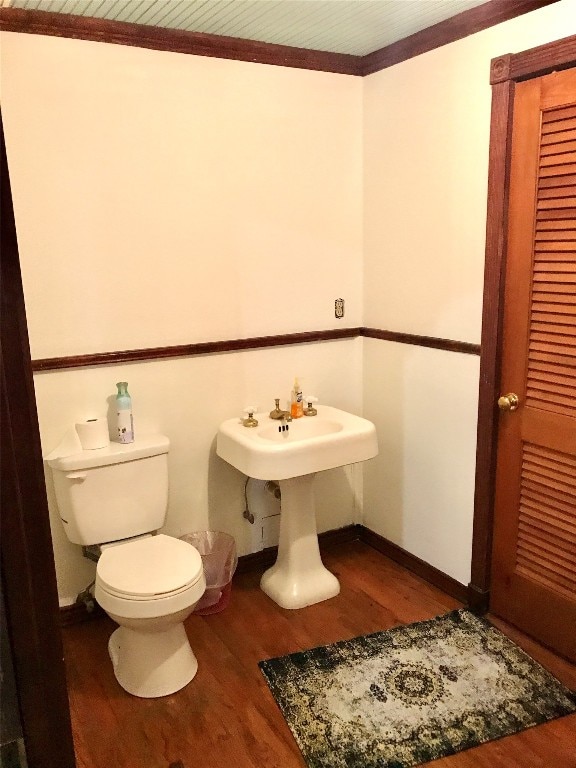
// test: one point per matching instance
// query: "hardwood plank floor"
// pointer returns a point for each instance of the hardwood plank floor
(227, 715)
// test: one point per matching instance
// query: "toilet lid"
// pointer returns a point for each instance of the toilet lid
(152, 567)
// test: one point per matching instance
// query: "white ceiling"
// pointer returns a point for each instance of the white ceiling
(342, 26)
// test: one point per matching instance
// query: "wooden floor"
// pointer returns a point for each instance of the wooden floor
(226, 717)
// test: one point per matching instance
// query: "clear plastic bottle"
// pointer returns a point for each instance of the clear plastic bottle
(125, 420)
(296, 401)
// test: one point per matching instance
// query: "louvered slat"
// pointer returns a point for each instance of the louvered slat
(546, 222)
(554, 235)
(553, 334)
(546, 546)
(556, 321)
(556, 511)
(549, 368)
(552, 330)
(554, 126)
(564, 246)
(555, 137)
(554, 568)
(560, 353)
(568, 202)
(551, 277)
(555, 302)
(556, 483)
(550, 376)
(549, 472)
(566, 548)
(560, 114)
(554, 148)
(558, 304)
(559, 528)
(533, 546)
(558, 170)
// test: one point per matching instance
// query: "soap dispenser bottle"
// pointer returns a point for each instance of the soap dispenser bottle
(296, 401)
(124, 414)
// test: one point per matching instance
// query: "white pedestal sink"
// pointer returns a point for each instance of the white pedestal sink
(292, 456)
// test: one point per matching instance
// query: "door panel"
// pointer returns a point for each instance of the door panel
(534, 554)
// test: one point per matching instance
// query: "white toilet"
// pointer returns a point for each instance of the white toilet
(116, 497)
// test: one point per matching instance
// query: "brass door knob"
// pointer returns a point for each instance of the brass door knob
(509, 402)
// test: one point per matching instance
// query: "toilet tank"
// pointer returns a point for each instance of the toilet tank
(111, 493)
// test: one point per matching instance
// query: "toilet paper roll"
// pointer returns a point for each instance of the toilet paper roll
(93, 434)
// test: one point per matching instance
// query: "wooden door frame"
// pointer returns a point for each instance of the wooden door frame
(27, 562)
(505, 72)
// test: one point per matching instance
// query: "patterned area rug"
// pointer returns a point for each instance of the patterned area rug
(412, 694)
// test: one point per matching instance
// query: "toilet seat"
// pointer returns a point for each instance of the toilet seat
(149, 569)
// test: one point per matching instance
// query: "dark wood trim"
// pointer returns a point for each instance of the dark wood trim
(505, 72)
(266, 557)
(535, 62)
(478, 600)
(77, 613)
(237, 345)
(199, 44)
(259, 561)
(255, 561)
(462, 25)
(191, 350)
(422, 341)
(28, 575)
(487, 431)
(414, 564)
(357, 532)
(175, 40)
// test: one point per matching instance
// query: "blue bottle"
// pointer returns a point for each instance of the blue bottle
(124, 414)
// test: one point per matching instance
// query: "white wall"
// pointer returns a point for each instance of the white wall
(186, 399)
(175, 199)
(164, 199)
(426, 140)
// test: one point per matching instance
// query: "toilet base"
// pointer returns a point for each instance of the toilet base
(152, 664)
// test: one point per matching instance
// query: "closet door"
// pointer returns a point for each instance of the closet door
(534, 553)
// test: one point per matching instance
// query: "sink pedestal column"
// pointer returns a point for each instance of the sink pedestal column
(298, 578)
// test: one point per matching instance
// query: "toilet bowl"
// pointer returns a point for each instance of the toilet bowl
(149, 586)
(114, 500)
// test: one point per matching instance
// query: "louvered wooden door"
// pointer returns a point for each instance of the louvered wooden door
(534, 554)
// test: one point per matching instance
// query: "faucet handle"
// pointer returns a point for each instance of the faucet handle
(250, 421)
(310, 410)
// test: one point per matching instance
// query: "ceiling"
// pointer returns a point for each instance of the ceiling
(355, 27)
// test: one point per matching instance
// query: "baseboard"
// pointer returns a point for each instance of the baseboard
(478, 601)
(414, 564)
(78, 613)
(439, 579)
(267, 557)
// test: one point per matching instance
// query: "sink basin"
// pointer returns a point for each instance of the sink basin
(310, 444)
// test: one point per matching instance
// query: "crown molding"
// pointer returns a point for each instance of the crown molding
(200, 44)
(174, 40)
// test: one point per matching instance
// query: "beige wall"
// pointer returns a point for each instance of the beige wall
(426, 138)
(164, 199)
(175, 199)
(187, 399)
